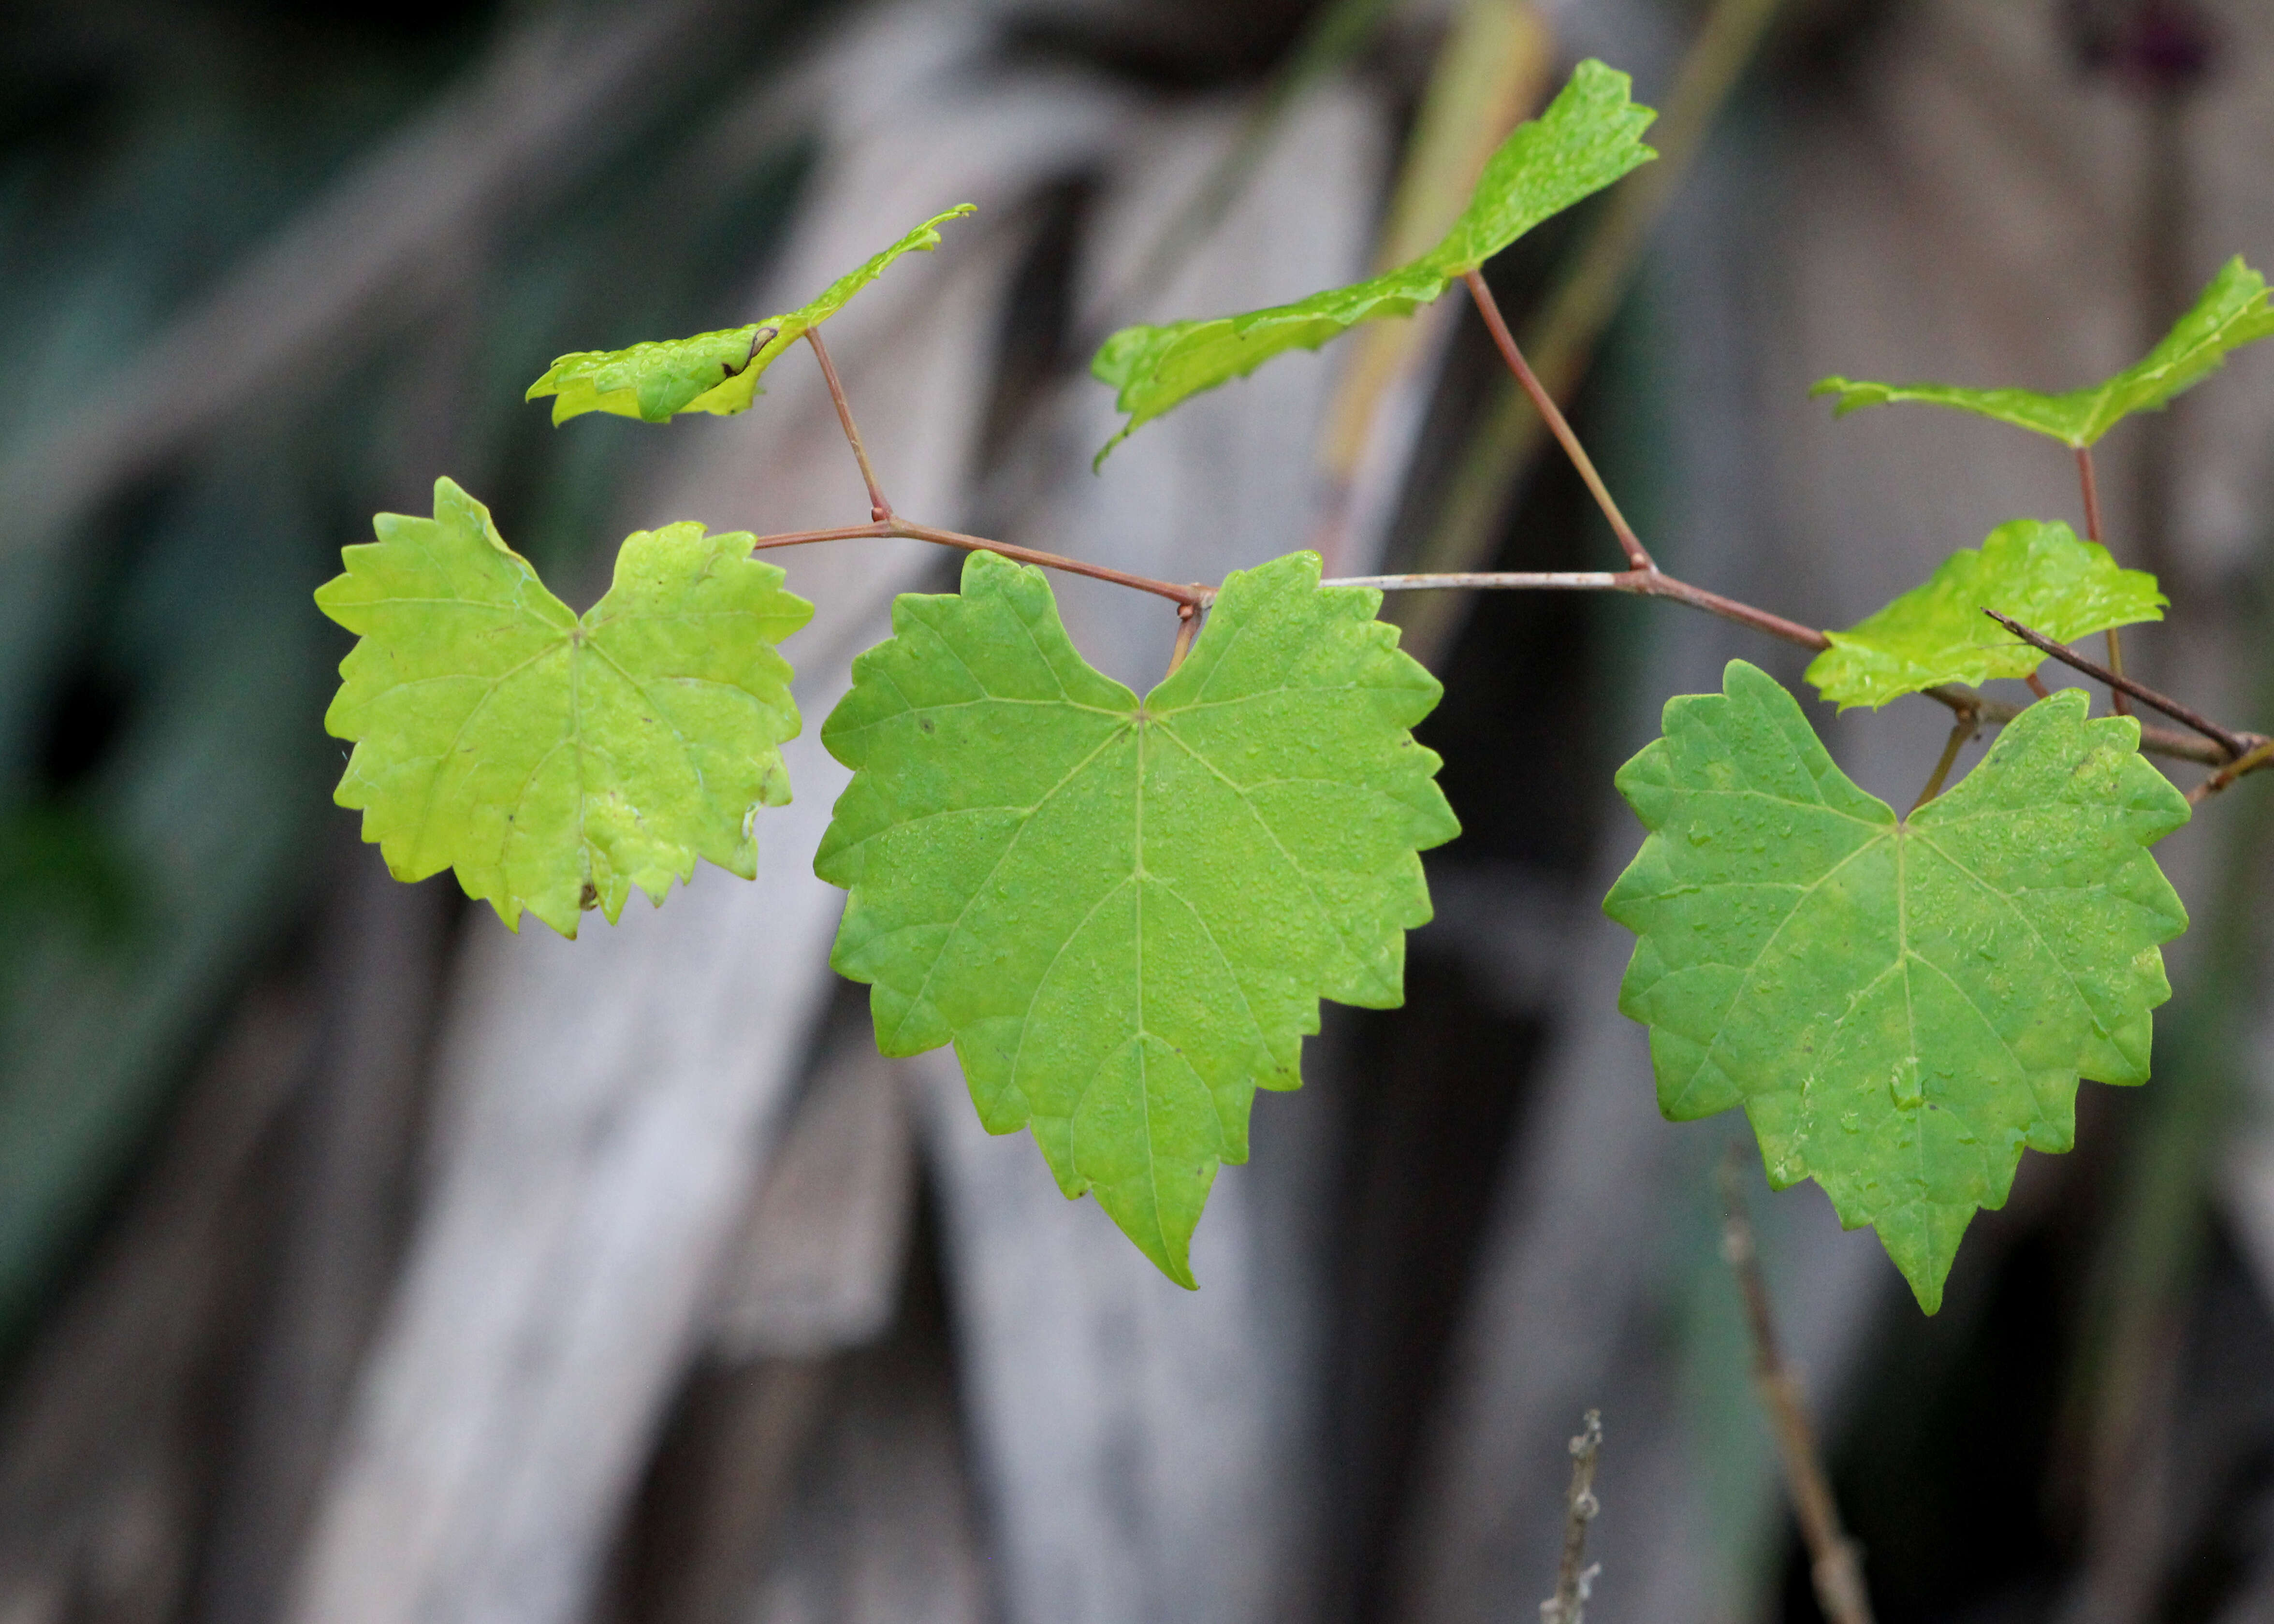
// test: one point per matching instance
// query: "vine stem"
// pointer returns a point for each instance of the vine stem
(1637, 555)
(1960, 699)
(883, 522)
(1835, 1562)
(2090, 487)
(1648, 580)
(1645, 579)
(1574, 1578)
(2250, 761)
(1192, 593)
(2236, 745)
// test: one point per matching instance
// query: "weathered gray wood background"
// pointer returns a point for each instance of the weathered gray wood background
(472, 1278)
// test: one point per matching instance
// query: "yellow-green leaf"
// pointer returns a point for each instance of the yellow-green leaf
(2233, 311)
(1589, 137)
(553, 760)
(2038, 572)
(716, 372)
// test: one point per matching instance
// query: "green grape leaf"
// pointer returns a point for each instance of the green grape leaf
(1589, 137)
(557, 760)
(2233, 312)
(1901, 1005)
(716, 372)
(2038, 572)
(1123, 914)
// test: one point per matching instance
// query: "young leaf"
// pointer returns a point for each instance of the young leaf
(2040, 574)
(1900, 1006)
(2233, 312)
(712, 371)
(1589, 137)
(1124, 913)
(556, 761)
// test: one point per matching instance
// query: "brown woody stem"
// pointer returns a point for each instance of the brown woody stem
(1637, 556)
(2235, 745)
(1835, 1562)
(1960, 699)
(2250, 761)
(1645, 579)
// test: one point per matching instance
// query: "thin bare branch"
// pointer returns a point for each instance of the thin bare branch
(2250, 761)
(1648, 582)
(1835, 1562)
(1575, 1576)
(879, 508)
(1657, 584)
(2153, 740)
(2236, 745)
(1961, 700)
(1543, 402)
(1488, 581)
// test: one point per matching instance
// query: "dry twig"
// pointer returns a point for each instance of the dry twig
(1575, 1577)
(1835, 1562)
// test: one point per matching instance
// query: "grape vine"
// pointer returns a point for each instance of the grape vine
(1122, 912)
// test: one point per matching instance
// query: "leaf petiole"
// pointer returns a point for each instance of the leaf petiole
(2092, 489)
(1964, 728)
(1192, 593)
(1637, 556)
(879, 508)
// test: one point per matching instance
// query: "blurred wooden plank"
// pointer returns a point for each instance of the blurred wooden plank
(818, 1268)
(345, 1169)
(607, 1104)
(104, 1472)
(1141, 1449)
